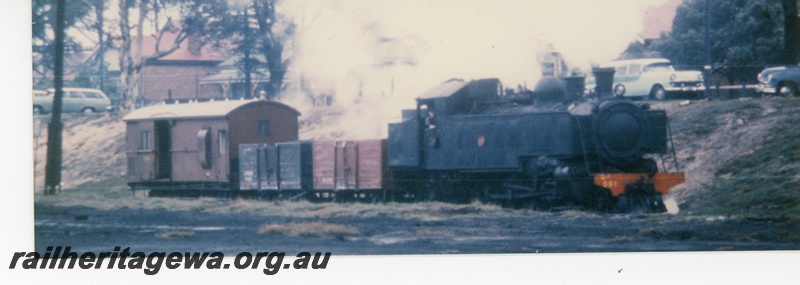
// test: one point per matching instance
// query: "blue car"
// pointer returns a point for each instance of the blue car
(781, 80)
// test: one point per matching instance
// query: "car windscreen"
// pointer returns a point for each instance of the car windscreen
(661, 66)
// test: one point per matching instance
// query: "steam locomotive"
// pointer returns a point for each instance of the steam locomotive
(543, 149)
(465, 141)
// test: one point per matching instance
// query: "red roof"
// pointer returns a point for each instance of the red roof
(658, 19)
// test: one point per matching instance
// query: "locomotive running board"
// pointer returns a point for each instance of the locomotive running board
(616, 182)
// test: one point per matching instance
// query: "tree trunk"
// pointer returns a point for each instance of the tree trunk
(272, 48)
(125, 60)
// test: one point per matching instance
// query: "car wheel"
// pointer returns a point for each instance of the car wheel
(619, 90)
(658, 93)
(37, 110)
(787, 89)
(87, 110)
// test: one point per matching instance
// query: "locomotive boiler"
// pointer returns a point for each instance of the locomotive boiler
(468, 140)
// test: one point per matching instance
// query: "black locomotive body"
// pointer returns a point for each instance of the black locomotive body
(465, 140)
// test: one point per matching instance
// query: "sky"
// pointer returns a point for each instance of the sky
(387, 52)
(339, 43)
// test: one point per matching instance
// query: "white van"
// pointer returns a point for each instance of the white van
(75, 100)
(653, 78)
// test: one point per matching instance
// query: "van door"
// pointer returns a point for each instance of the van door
(72, 101)
(162, 148)
(635, 86)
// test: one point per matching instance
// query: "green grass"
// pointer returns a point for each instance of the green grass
(763, 183)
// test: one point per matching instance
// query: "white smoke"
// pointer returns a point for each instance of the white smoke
(385, 53)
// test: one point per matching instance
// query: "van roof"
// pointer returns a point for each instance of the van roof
(75, 89)
(642, 61)
(209, 109)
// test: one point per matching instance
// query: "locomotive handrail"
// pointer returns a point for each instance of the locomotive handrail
(672, 146)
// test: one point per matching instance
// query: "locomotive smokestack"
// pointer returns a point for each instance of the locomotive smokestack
(604, 79)
(575, 87)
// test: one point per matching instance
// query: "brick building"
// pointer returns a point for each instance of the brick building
(177, 75)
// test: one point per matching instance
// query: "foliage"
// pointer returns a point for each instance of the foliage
(746, 36)
(43, 17)
(258, 34)
(197, 18)
(203, 20)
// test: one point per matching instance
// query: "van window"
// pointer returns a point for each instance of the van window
(636, 69)
(657, 66)
(74, 94)
(263, 127)
(223, 141)
(93, 95)
(622, 70)
(144, 144)
(204, 147)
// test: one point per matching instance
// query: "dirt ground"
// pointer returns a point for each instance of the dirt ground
(440, 230)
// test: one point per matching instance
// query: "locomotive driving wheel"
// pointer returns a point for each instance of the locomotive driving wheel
(440, 187)
(640, 197)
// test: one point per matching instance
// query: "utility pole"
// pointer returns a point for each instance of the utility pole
(52, 176)
(791, 31)
(248, 65)
(707, 66)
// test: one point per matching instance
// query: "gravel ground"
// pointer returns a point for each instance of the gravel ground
(90, 229)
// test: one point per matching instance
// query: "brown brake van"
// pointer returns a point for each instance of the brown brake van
(194, 146)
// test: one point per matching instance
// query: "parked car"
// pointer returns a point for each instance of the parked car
(83, 100)
(653, 78)
(782, 80)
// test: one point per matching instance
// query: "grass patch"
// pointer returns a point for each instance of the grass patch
(764, 182)
(112, 194)
(308, 229)
(694, 120)
(176, 234)
(439, 233)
